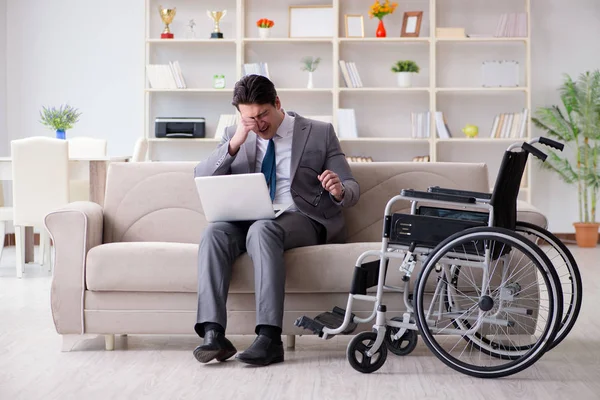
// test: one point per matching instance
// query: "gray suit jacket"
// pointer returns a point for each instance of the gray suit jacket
(315, 148)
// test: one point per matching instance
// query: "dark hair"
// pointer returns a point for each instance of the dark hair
(254, 89)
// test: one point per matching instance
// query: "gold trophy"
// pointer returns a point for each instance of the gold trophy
(167, 15)
(216, 16)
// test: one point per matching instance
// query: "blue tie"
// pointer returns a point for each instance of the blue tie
(269, 168)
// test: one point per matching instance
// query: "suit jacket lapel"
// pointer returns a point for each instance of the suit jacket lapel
(301, 132)
(250, 148)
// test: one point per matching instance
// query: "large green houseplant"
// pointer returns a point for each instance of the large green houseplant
(577, 124)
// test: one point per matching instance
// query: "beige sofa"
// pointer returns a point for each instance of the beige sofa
(131, 266)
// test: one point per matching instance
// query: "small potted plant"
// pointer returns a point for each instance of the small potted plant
(310, 64)
(379, 11)
(577, 125)
(264, 27)
(60, 120)
(404, 71)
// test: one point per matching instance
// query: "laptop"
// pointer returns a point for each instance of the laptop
(237, 197)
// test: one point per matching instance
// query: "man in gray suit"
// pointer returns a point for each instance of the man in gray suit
(304, 166)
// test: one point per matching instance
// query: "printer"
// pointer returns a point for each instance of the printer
(179, 127)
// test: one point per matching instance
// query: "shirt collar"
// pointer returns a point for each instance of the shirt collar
(287, 125)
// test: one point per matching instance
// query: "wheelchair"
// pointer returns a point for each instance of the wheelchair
(492, 295)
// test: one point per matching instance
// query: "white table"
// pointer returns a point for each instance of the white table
(94, 169)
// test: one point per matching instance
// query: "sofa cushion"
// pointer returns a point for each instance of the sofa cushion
(172, 267)
(528, 213)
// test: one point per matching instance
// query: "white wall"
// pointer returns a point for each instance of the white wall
(3, 39)
(565, 40)
(89, 54)
(92, 56)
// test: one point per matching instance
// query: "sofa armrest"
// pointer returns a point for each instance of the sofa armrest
(528, 213)
(74, 230)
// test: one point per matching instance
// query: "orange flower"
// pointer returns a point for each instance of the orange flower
(265, 23)
(379, 10)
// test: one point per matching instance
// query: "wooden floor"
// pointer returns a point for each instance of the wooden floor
(162, 367)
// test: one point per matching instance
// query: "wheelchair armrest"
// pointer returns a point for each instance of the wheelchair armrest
(468, 193)
(438, 196)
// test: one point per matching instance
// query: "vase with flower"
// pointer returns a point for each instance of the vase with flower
(264, 27)
(59, 119)
(379, 10)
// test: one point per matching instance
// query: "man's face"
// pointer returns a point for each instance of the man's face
(266, 117)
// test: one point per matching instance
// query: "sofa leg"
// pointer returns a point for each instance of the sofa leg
(291, 341)
(109, 342)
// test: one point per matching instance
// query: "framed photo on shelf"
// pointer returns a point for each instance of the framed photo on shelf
(355, 26)
(311, 21)
(411, 24)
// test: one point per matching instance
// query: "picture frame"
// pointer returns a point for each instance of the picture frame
(355, 26)
(411, 24)
(311, 21)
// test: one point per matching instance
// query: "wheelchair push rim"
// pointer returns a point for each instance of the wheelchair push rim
(499, 306)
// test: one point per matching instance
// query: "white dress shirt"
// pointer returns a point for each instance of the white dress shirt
(283, 159)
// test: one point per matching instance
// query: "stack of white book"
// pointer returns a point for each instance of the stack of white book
(421, 124)
(441, 125)
(346, 123)
(512, 25)
(257, 69)
(350, 74)
(510, 125)
(165, 76)
(226, 120)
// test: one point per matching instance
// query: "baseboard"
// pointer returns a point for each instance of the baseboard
(9, 239)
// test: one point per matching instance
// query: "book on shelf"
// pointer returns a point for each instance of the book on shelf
(165, 76)
(359, 159)
(510, 125)
(442, 126)
(346, 123)
(450, 33)
(512, 25)
(225, 120)
(421, 158)
(257, 69)
(420, 124)
(350, 74)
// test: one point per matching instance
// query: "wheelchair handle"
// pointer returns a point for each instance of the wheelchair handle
(552, 143)
(532, 150)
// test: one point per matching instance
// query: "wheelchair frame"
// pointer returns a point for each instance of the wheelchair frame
(410, 255)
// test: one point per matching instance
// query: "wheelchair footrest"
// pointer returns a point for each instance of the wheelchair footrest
(331, 320)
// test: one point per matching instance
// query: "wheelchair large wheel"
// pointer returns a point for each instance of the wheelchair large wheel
(499, 314)
(568, 274)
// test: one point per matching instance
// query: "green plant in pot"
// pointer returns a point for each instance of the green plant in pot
(577, 124)
(59, 119)
(404, 71)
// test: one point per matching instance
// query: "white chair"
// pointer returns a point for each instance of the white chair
(140, 150)
(84, 147)
(6, 214)
(40, 172)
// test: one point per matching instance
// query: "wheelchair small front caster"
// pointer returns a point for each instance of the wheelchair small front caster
(402, 346)
(357, 353)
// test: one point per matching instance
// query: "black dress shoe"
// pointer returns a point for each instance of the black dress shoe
(216, 345)
(262, 352)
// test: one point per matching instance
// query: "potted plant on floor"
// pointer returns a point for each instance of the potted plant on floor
(577, 125)
(404, 71)
(60, 120)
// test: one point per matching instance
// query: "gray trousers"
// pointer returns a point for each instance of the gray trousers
(265, 242)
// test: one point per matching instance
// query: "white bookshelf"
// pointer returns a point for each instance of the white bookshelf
(449, 80)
